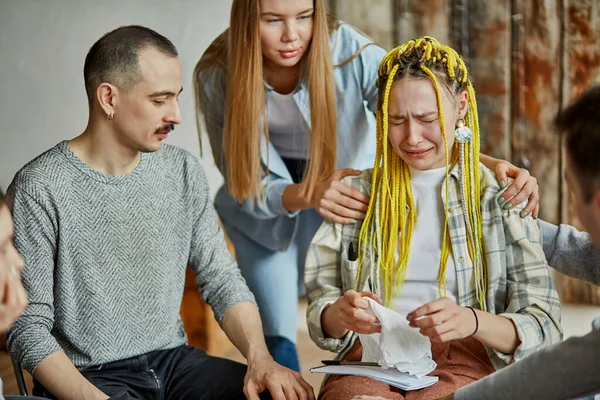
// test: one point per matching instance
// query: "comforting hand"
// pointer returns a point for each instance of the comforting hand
(338, 202)
(443, 320)
(282, 383)
(523, 187)
(347, 313)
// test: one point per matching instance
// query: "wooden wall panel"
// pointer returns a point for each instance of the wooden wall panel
(481, 33)
(416, 18)
(536, 95)
(581, 64)
(373, 17)
(582, 47)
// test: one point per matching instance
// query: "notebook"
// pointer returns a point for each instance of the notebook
(391, 376)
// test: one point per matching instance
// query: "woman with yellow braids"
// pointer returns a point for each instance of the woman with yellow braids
(288, 96)
(435, 245)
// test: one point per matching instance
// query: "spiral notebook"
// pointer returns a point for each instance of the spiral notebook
(391, 376)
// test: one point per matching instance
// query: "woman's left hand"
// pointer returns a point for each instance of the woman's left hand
(523, 187)
(443, 320)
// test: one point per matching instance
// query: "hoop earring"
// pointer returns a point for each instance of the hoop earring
(111, 116)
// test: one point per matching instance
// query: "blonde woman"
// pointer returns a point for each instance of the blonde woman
(288, 95)
(435, 245)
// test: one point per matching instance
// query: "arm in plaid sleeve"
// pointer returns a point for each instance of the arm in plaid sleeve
(532, 302)
(322, 276)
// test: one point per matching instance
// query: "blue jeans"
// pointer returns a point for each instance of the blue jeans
(277, 279)
(181, 373)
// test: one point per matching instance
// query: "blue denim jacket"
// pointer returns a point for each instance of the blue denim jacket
(269, 223)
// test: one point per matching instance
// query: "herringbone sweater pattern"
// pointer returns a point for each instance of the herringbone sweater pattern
(105, 256)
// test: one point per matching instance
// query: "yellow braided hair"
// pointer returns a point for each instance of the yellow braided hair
(391, 212)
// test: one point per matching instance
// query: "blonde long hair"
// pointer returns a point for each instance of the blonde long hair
(238, 52)
(391, 212)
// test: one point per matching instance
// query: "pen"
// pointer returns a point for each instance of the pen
(352, 253)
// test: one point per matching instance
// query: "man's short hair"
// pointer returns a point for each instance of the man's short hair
(114, 57)
(580, 125)
(2, 198)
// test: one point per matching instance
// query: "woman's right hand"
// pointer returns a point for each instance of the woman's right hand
(348, 313)
(338, 202)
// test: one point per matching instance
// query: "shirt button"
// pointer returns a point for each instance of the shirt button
(461, 259)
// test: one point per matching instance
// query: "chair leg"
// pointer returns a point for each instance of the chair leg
(19, 377)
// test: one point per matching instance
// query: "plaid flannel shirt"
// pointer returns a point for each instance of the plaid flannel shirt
(519, 283)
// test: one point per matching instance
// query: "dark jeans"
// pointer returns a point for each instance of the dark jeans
(181, 373)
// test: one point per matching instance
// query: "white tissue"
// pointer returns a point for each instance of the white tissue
(398, 345)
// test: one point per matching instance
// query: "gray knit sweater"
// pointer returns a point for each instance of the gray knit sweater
(105, 256)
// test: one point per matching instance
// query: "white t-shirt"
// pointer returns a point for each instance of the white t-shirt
(421, 282)
(287, 129)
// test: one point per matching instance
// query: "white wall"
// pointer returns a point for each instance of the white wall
(43, 44)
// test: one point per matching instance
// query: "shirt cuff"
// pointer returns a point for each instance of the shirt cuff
(318, 336)
(30, 349)
(525, 325)
(275, 199)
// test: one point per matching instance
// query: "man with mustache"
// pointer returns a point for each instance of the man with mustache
(107, 223)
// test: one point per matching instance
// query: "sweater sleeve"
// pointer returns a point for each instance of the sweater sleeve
(571, 252)
(30, 340)
(218, 277)
(564, 371)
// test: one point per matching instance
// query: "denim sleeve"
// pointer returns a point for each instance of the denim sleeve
(370, 59)
(210, 99)
(366, 63)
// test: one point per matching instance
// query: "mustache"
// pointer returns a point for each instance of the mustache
(166, 129)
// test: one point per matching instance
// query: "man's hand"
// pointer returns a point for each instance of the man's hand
(243, 326)
(283, 383)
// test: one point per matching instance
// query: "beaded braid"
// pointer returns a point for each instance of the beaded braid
(391, 211)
